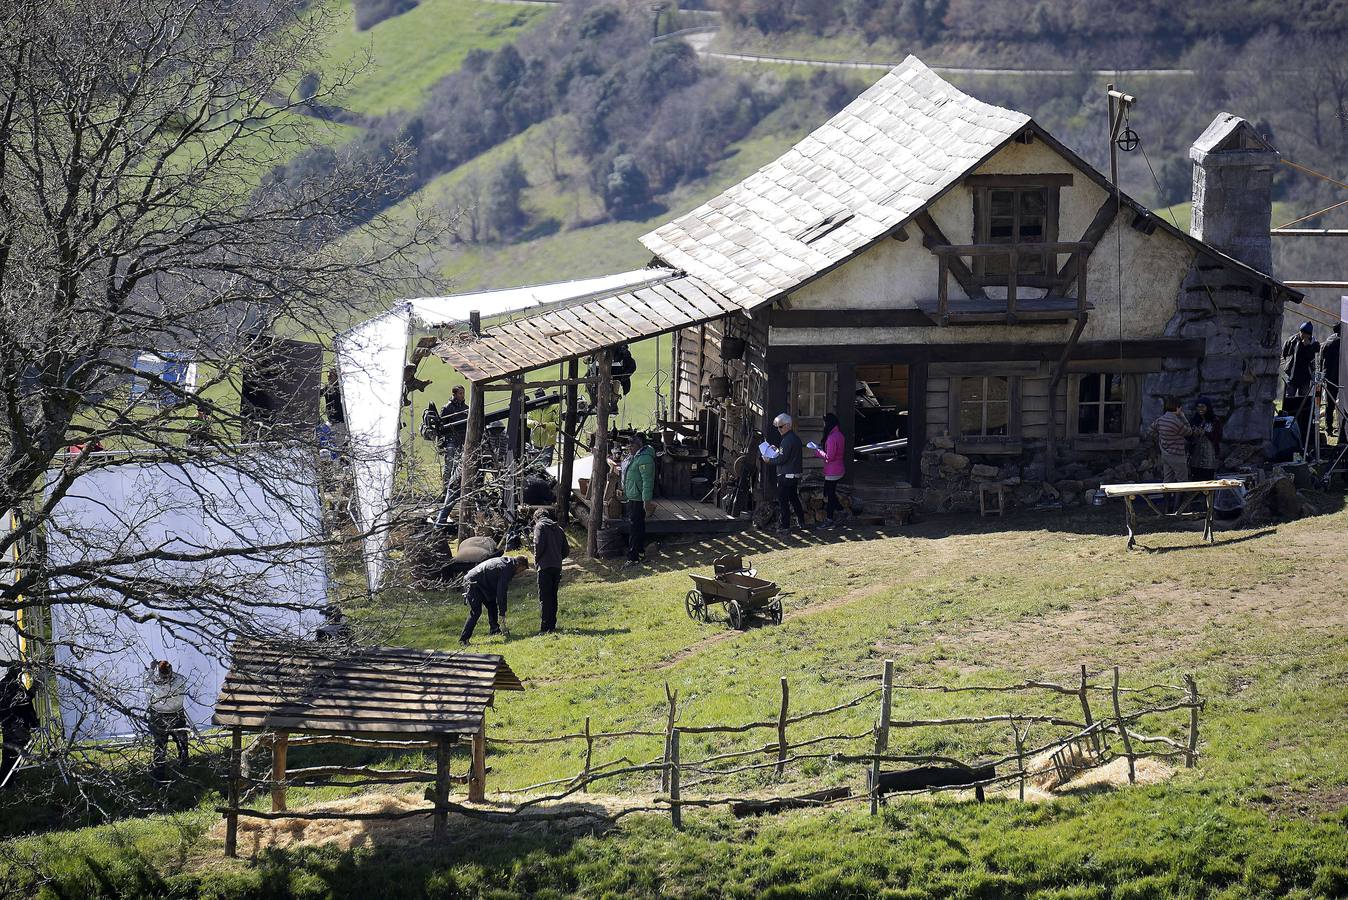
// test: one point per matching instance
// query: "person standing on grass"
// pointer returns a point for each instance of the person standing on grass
(1171, 432)
(550, 548)
(1329, 365)
(1208, 443)
(833, 454)
(789, 467)
(637, 474)
(486, 585)
(167, 714)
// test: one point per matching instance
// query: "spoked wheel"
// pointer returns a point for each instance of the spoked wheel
(695, 605)
(775, 611)
(736, 615)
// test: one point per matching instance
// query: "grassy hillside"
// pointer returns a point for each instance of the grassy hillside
(952, 602)
(401, 57)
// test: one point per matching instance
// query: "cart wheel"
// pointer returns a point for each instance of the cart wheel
(775, 611)
(736, 615)
(696, 607)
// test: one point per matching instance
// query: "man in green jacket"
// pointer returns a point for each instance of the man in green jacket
(638, 481)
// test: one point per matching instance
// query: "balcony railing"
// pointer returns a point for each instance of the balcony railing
(1054, 305)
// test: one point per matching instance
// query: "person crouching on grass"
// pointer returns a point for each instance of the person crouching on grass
(486, 585)
(550, 548)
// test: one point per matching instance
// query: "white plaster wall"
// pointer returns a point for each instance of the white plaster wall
(894, 274)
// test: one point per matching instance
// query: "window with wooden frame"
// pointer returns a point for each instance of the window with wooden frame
(1105, 408)
(813, 392)
(1016, 209)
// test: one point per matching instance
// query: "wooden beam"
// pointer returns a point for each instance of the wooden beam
(514, 443)
(786, 354)
(535, 385)
(472, 449)
(934, 237)
(1047, 179)
(278, 772)
(1039, 248)
(567, 472)
(232, 801)
(1309, 232)
(599, 457)
(1091, 236)
(849, 318)
(1317, 285)
(477, 776)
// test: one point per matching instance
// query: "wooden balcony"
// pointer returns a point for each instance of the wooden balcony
(1029, 299)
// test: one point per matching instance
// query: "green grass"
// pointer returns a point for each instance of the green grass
(408, 53)
(950, 601)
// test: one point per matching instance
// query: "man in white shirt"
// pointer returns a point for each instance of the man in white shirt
(166, 692)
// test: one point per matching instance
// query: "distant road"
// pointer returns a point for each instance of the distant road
(886, 66)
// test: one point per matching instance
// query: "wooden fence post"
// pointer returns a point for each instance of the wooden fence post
(278, 772)
(881, 733)
(232, 811)
(589, 756)
(477, 775)
(441, 816)
(1086, 711)
(1020, 755)
(675, 810)
(1191, 757)
(1123, 731)
(672, 699)
(781, 728)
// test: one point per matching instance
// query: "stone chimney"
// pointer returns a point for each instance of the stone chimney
(1233, 190)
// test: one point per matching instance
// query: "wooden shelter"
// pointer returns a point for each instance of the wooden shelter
(387, 697)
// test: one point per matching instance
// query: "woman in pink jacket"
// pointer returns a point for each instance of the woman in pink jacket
(833, 454)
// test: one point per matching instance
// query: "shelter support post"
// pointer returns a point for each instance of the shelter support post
(232, 809)
(514, 442)
(441, 817)
(599, 463)
(472, 449)
(568, 469)
(279, 746)
(477, 775)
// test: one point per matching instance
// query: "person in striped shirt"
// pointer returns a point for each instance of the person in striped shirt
(1172, 431)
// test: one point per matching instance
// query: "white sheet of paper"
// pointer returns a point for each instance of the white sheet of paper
(768, 451)
(812, 445)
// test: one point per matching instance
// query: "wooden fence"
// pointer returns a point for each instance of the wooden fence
(1075, 745)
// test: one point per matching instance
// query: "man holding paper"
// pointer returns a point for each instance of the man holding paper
(787, 459)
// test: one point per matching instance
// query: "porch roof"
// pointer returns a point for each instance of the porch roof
(574, 330)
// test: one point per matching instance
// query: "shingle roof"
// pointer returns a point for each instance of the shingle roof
(580, 329)
(889, 153)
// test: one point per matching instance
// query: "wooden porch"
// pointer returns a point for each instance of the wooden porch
(674, 517)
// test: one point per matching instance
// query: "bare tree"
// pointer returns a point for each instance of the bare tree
(136, 217)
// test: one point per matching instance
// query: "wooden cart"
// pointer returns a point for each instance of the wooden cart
(739, 589)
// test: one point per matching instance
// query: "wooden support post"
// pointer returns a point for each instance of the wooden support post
(669, 735)
(675, 809)
(477, 775)
(472, 451)
(599, 463)
(942, 289)
(1086, 716)
(232, 800)
(1191, 757)
(589, 757)
(1123, 731)
(781, 728)
(567, 473)
(514, 441)
(1011, 285)
(278, 772)
(1081, 284)
(441, 815)
(882, 733)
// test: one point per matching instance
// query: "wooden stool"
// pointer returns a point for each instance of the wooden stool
(997, 490)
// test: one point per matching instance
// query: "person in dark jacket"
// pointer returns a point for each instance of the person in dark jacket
(1329, 365)
(1299, 357)
(789, 467)
(17, 721)
(1207, 442)
(550, 548)
(486, 585)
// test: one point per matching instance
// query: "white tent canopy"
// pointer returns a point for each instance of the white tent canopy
(182, 507)
(370, 363)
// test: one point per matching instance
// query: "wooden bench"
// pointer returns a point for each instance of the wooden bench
(1191, 489)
